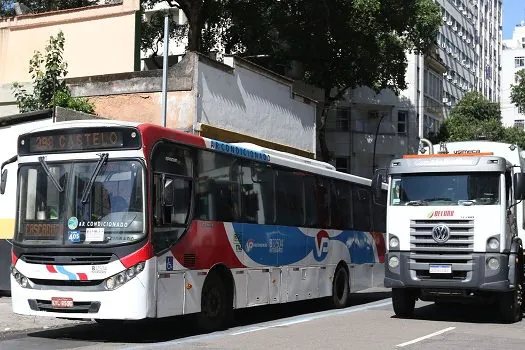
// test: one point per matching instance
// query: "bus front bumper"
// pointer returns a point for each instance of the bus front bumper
(128, 302)
(475, 275)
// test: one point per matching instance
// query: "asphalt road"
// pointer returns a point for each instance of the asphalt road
(369, 323)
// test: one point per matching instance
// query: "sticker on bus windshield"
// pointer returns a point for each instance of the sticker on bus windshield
(72, 223)
(73, 236)
(95, 234)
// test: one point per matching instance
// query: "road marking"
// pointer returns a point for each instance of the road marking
(265, 325)
(425, 337)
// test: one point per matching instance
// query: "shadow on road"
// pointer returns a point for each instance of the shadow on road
(457, 312)
(173, 328)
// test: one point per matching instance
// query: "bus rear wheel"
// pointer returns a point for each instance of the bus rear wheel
(216, 310)
(340, 288)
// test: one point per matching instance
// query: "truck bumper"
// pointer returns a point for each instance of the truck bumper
(476, 277)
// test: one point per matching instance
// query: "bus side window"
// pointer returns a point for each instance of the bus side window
(310, 201)
(257, 194)
(361, 208)
(289, 198)
(322, 192)
(343, 205)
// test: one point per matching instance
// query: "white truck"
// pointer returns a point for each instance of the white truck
(455, 226)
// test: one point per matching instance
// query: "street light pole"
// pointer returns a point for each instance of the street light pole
(165, 68)
(375, 143)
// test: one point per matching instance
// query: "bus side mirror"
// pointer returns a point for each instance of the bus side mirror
(519, 186)
(3, 181)
(167, 192)
(377, 185)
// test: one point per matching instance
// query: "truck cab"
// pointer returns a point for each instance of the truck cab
(452, 230)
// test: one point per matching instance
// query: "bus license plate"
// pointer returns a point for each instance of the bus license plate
(62, 302)
(440, 269)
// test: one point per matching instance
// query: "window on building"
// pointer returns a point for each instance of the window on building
(521, 110)
(342, 118)
(519, 124)
(341, 164)
(519, 62)
(402, 118)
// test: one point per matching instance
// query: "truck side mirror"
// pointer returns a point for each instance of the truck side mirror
(519, 186)
(377, 185)
(3, 181)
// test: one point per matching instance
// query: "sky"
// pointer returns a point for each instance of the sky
(513, 13)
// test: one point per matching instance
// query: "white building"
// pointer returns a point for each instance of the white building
(513, 60)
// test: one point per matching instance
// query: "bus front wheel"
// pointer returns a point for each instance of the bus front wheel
(216, 310)
(340, 288)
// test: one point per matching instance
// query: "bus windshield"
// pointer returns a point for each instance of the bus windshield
(446, 189)
(79, 203)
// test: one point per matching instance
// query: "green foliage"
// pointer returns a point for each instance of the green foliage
(475, 117)
(38, 6)
(517, 92)
(49, 86)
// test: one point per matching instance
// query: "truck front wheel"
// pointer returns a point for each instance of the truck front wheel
(511, 303)
(404, 301)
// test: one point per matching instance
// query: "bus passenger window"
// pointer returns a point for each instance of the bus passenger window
(322, 198)
(289, 198)
(257, 194)
(361, 208)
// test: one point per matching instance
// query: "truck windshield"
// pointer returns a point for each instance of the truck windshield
(51, 210)
(445, 189)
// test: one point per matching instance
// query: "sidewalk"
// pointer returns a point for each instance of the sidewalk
(12, 323)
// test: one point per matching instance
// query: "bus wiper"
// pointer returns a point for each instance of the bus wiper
(48, 173)
(416, 202)
(87, 189)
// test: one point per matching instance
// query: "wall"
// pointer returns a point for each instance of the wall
(512, 49)
(251, 100)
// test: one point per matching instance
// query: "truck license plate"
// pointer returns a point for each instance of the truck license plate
(62, 302)
(440, 269)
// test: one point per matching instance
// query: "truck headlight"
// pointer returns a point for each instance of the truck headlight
(493, 263)
(115, 281)
(493, 244)
(393, 242)
(393, 262)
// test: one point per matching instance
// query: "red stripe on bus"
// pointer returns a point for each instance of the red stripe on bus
(14, 258)
(51, 268)
(82, 276)
(143, 254)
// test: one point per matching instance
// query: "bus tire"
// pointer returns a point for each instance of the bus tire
(216, 309)
(403, 301)
(340, 288)
(109, 323)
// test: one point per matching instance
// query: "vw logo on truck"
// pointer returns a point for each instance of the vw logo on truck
(441, 233)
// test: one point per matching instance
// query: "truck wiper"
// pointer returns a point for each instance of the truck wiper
(48, 173)
(416, 202)
(87, 189)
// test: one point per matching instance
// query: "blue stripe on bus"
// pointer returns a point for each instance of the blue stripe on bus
(282, 245)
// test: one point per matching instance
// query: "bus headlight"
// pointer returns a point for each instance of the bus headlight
(393, 242)
(19, 278)
(123, 277)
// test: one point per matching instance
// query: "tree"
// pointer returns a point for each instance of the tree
(338, 44)
(49, 86)
(38, 6)
(475, 117)
(517, 92)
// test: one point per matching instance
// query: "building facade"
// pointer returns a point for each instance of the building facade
(513, 60)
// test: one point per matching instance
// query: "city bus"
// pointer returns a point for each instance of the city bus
(125, 221)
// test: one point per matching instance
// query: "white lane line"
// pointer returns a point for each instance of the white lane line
(266, 325)
(425, 337)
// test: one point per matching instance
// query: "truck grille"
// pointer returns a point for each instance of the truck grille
(59, 258)
(457, 251)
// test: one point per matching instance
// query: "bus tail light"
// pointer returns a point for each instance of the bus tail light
(119, 279)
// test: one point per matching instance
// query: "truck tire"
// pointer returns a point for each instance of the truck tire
(216, 311)
(511, 303)
(340, 288)
(403, 301)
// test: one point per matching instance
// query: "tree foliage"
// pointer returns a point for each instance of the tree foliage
(49, 86)
(474, 118)
(38, 6)
(517, 92)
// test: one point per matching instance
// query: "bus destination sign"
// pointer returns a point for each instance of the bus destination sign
(79, 141)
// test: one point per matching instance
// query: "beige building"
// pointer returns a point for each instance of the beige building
(100, 39)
